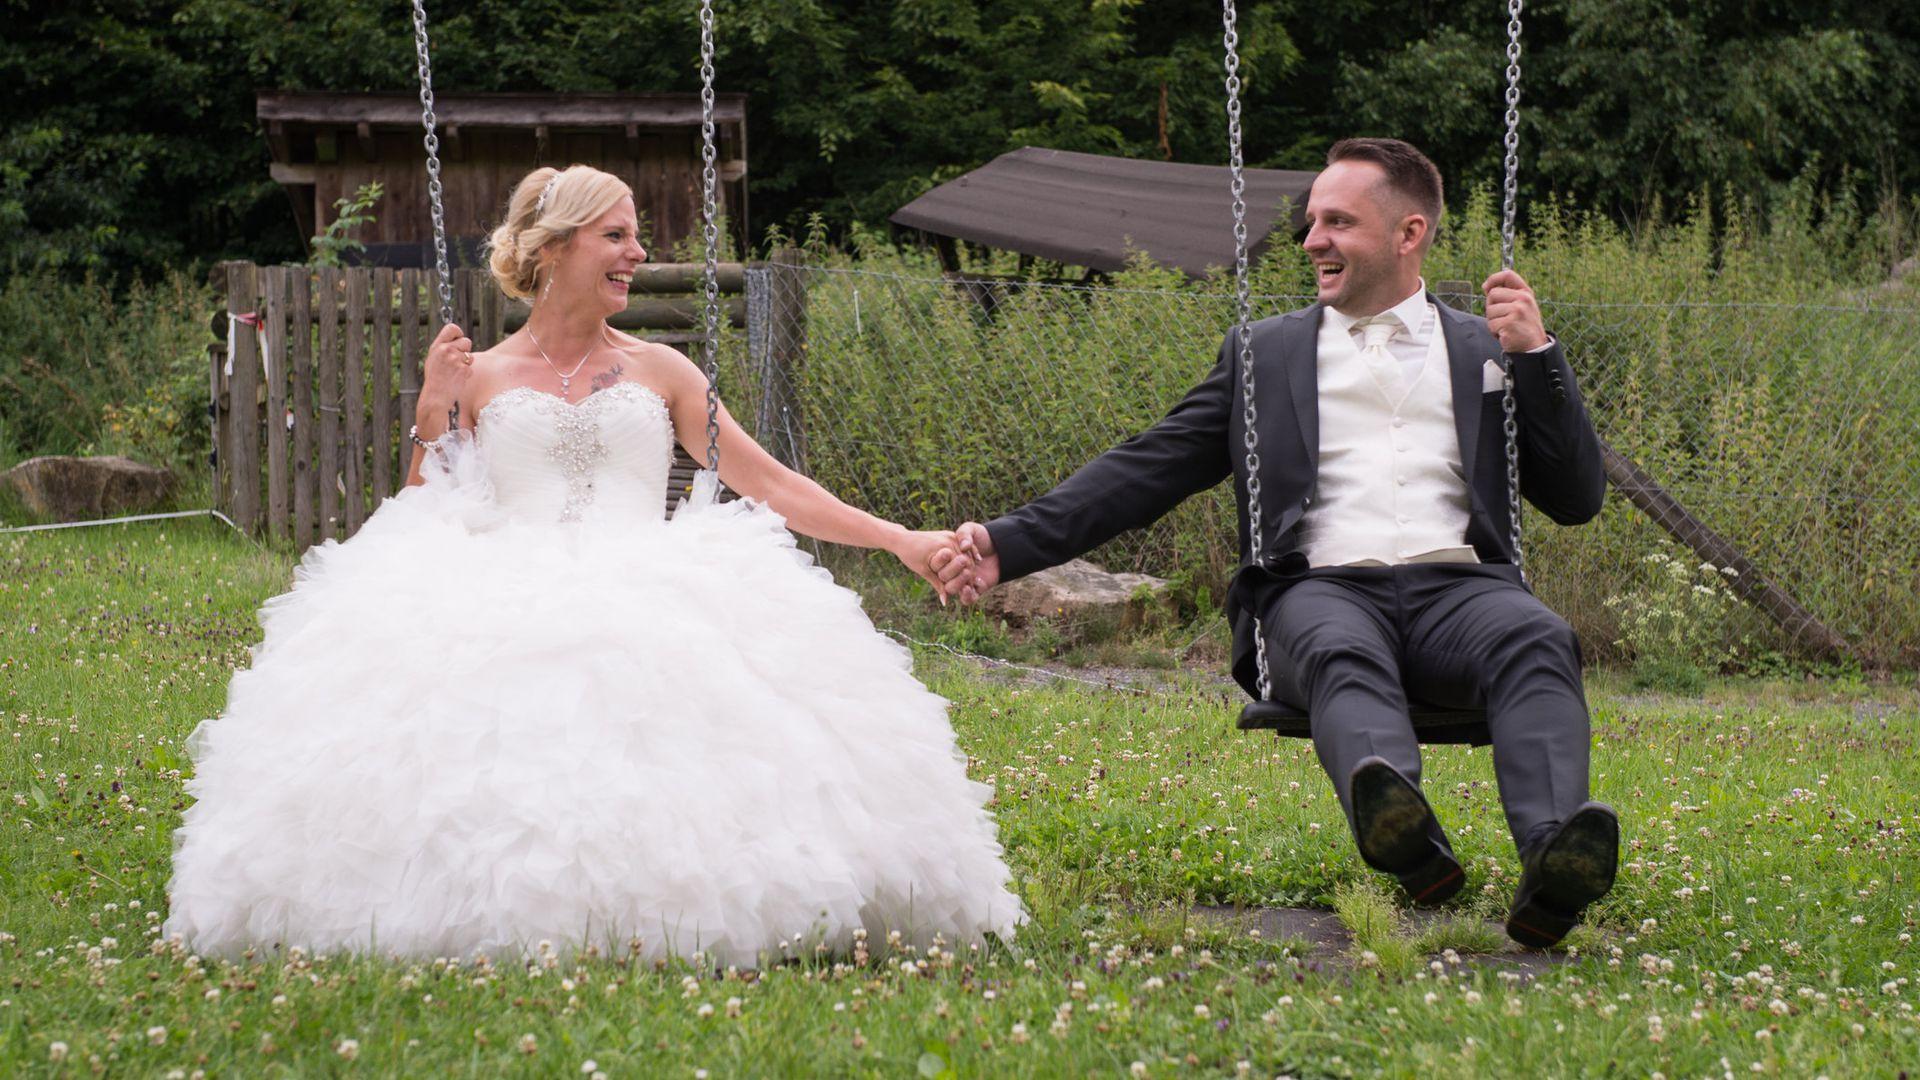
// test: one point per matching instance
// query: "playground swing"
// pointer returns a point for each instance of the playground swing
(683, 476)
(1432, 724)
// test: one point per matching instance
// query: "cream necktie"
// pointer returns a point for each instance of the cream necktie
(1375, 333)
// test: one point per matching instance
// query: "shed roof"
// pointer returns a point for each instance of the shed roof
(497, 110)
(1092, 210)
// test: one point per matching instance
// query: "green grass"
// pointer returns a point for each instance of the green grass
(1764, 913)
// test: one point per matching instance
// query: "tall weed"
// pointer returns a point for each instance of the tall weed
(86, 370)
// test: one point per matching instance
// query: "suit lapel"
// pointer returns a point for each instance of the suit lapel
(1465, 359)
(1299, 352)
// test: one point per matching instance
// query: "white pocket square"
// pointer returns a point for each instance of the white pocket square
(1492, 378)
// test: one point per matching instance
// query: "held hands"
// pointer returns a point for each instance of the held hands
(921, 553)
(970, 567)
(449, 370)
(1513, 314)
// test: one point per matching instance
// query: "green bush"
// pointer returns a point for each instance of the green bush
(86, 370)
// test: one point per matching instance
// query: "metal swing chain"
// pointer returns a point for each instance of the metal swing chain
(1243, 322)
(1511, 196)
(711, 233)
(433, 164)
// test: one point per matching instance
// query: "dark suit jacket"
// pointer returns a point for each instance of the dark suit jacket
(1199, 443)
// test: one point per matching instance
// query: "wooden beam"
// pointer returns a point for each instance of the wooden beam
(277, 141)
(648, 313)
(287, 172)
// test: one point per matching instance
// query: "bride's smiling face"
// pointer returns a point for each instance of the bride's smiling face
(595, 267)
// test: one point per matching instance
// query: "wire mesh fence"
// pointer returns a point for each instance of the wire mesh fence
(1793, 431)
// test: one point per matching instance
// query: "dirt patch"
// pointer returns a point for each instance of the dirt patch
(1330, 943)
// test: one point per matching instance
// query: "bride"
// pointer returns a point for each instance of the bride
(520, 706)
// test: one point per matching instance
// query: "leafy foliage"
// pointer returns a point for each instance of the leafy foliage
(350, 212)
(128, 140)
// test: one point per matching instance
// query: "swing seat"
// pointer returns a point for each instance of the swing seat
(1430, 724)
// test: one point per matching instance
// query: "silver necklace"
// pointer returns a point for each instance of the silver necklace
(566, 377)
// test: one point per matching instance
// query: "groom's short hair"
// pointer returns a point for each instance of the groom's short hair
(1409, 172)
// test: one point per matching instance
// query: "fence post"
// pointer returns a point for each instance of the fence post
(380, 336)
(299, 361)
(786, 351)
(243, 391)
(327, 399)
(353, 396)
(1458, 295)
(274, 279)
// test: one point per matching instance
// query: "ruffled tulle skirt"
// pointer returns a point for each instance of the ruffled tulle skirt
(465, 734)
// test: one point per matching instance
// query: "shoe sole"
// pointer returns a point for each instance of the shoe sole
(1577, 870)
(1392, 835)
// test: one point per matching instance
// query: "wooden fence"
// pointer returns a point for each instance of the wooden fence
(312, 407)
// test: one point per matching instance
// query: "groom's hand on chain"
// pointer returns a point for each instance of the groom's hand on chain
(973, 568)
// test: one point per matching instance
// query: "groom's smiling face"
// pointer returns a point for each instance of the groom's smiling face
(1365, 247)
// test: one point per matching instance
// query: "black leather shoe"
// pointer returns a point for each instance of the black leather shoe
(1394, 828)
(1562, 874)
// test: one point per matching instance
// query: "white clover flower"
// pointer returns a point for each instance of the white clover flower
(705, 1010)
(348, 1048)
(528, 1044)
(589, 1066)
(1201, 1012)
(1019, 1034)
(56, 1052)
(1138, 1070)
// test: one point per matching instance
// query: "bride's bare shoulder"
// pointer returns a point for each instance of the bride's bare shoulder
(658, 365)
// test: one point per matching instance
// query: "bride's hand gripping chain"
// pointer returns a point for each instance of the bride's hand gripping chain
(444, 385)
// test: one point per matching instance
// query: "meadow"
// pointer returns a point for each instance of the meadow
(1763, 923)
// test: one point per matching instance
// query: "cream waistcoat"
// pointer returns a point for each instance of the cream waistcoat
(1391, 488)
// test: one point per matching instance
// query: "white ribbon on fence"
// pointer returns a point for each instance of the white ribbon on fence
(233, 335)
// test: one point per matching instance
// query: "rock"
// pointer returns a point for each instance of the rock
(1078, 591)
(80, 488)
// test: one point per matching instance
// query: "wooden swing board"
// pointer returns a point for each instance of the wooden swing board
(1432, 725)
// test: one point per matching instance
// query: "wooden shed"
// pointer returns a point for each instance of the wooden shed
(326, 145)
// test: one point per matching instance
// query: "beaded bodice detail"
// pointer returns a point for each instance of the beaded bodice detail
(554, 460)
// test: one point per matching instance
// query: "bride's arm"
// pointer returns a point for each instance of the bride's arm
(809, 508)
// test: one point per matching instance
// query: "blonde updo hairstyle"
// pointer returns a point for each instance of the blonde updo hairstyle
(517, 249)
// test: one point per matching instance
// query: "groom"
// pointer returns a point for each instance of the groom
(1386, 568)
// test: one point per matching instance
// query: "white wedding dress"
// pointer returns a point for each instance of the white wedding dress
(521, 706)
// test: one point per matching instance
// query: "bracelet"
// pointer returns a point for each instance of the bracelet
(414, 434)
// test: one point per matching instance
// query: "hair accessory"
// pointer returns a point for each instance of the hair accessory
(540, 205)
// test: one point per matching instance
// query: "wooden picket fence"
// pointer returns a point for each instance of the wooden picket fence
(312, 408)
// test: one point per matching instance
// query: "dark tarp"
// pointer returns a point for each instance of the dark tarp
(1094, 211)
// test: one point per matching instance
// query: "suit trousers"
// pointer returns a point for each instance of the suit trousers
(1351, 644)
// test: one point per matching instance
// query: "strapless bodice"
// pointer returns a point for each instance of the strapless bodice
(553, 460)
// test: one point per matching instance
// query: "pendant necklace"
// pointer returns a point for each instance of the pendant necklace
(566, 377)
